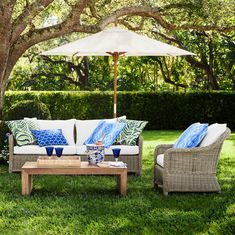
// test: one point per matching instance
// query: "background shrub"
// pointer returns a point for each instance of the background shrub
(163, 110)
(3, 130)
(28, 108)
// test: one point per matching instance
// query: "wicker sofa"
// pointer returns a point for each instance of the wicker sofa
(189, 169)
(76, 132)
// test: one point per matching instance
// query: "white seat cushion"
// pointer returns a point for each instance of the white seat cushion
(36, 149)
(213, 133)
(84, 128)
(125, 150)
(67, 127)
(160, 160)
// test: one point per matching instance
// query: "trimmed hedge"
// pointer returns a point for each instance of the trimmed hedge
(28, 108)
(163, 110)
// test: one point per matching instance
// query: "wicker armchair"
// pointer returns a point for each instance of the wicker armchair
(188, 170)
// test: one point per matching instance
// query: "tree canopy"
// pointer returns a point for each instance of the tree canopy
(204, 27)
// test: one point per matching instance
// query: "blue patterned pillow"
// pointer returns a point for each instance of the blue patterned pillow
(192, 136)
(111, 131)
(49, 137)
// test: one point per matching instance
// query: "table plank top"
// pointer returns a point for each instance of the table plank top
(85, 168)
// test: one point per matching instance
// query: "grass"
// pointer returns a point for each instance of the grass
(90, 204)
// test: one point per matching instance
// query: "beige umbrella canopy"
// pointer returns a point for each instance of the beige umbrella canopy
(116, 42)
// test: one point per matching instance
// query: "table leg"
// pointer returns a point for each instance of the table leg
(30, 183)
(26, 183)
(122, 183)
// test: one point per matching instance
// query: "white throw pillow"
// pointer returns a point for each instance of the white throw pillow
(213, 133)
(84, 128)
(67, 127)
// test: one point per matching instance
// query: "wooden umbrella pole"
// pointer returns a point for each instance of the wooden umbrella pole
(115, 60)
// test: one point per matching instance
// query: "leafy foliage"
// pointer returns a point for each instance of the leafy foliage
(3, 139)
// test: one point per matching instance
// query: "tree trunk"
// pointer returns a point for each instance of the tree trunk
(210, 73)
(84, 73)
(4, 80)
(4, 72)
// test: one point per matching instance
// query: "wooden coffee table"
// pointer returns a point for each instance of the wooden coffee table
(30, 168)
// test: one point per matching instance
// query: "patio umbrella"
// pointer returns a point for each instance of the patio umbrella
(116, 42)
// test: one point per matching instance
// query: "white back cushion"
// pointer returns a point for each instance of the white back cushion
(214, 132)
(67, 127)
(84, 128)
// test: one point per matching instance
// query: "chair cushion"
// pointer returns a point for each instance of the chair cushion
(110, 130)
(192, 136)
(160, 160)
(49, 137)
(84, 128)
(214, 132)
(125, 150)
(67, 127)
(35, 149)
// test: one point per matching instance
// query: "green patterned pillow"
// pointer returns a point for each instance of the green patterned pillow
(131, 131)
(21, 130)
(32, 123)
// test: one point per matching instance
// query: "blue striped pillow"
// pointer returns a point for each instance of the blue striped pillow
(192, 136)
(111, 131)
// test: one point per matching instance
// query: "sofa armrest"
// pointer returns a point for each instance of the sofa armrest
(140, 144)
(140, 141)
(11, 144)
(11, 151)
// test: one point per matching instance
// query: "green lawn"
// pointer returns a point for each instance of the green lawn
(90, 205)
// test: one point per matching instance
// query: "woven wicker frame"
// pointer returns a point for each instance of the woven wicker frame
(189, 170)
(134, 162)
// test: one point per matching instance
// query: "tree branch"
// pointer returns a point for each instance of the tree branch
(26, 17)
(129, 26)
(167, 78)
(93, 11)
(62, 76)
(190, 59)
(73, 24)
(155, 13)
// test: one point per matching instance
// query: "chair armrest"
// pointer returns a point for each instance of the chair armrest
(161, 149)
(201, 159)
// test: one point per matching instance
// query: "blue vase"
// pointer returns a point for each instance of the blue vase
(95, 153)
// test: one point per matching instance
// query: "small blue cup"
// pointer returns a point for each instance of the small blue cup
(59, 151)
(49, 150)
